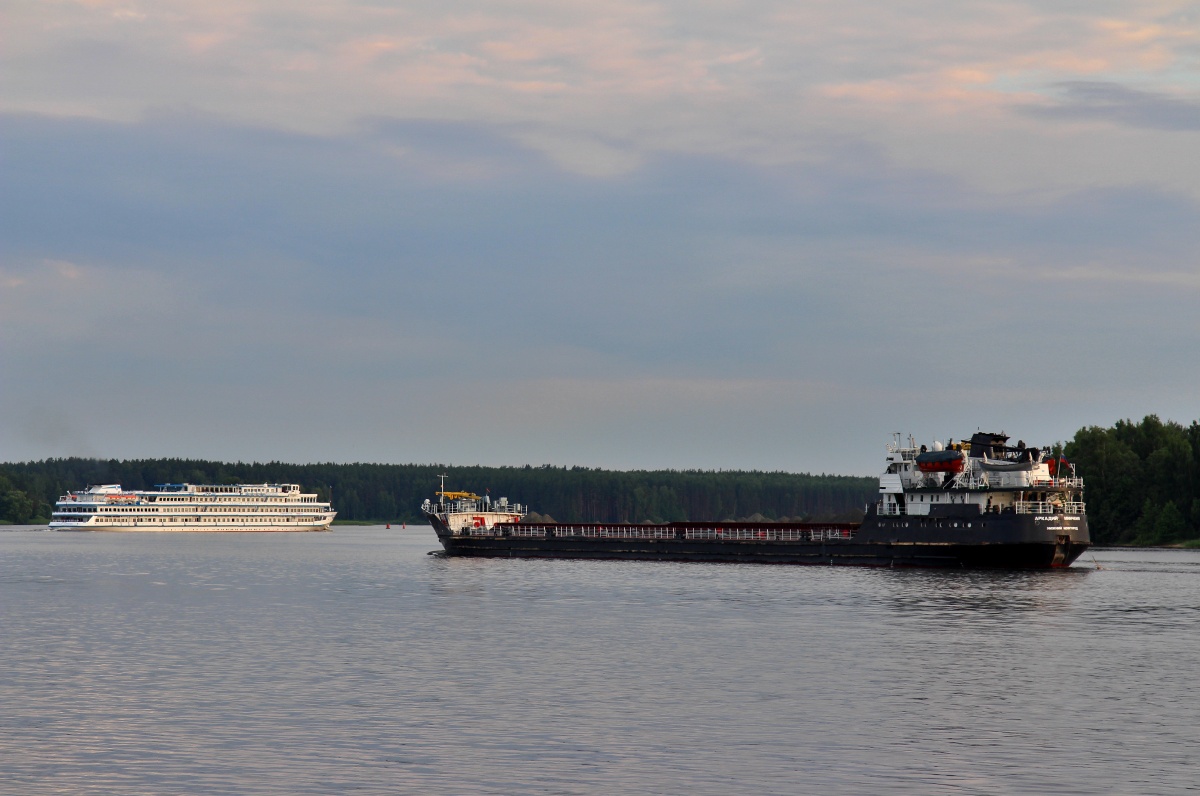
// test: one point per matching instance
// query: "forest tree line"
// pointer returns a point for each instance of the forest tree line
(1141, 481)
(1142, 486)
(394, 492)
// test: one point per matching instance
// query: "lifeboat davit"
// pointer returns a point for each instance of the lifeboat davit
(940, 462)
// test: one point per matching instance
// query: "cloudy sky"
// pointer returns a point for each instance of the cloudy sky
(615, 233)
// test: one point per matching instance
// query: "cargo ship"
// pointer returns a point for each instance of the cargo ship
(973, 504)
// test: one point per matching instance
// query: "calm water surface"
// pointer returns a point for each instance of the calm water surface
(354, 662)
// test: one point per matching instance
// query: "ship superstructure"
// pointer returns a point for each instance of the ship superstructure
(466, 512)
(980, 503)
(984, 498)
(984, 473)
(193, 507)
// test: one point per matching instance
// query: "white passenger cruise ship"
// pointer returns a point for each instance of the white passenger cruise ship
(192, 507)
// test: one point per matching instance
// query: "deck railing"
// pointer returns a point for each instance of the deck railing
(1072, 482)
(1020, 507)
(699, 532)
(1047, 507)
(771, 534)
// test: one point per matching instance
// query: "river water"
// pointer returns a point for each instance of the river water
(353, 662)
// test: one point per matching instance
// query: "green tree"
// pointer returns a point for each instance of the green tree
(1170, 525)
(1133, 471)
(16, 506)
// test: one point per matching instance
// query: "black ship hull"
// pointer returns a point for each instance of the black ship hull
(994, 541)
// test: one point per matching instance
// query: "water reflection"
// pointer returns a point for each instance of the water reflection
(985, 595)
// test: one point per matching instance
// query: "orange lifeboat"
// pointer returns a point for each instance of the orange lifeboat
(940, 462)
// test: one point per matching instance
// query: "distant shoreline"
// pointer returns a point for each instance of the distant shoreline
(382, 493)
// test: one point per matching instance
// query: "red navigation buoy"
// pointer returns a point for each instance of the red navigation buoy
(389, 525)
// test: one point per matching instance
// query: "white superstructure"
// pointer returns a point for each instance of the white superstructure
(464, 512)
(192, 507)
(985, 474)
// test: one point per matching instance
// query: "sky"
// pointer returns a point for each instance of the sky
(620, 234)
